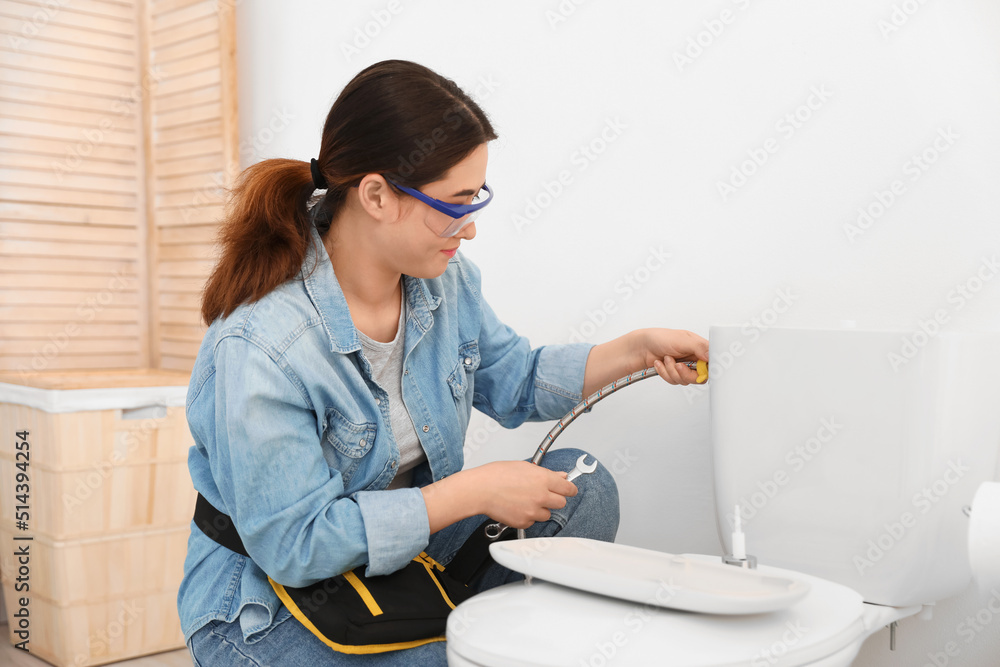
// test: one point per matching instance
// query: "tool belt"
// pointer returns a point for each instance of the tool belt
(352, 613)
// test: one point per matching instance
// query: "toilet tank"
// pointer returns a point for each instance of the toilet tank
(853, 453)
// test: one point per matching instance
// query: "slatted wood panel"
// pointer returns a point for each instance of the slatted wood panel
(71, 252)
(117, 137)
(194, 143)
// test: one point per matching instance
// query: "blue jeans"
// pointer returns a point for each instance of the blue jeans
(592, 513)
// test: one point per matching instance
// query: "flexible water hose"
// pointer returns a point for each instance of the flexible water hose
(585, 405)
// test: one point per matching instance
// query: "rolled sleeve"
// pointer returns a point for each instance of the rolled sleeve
(559, 378)
(396, 527)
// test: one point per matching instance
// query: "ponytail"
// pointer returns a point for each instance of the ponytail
(264, 236)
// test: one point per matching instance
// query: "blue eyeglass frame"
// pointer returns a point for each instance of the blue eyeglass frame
(452, 210)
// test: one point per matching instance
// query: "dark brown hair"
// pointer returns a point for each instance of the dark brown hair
(395, 118)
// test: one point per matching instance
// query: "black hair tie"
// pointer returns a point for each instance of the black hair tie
(318, 179)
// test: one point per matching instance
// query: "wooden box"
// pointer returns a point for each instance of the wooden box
(110, 504)
(108, 451)
(96, 633)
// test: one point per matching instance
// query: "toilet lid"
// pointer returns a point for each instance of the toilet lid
(545, 625)
(648, 576)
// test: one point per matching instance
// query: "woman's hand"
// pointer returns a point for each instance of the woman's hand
(665, 348)
(519, 493)
(641, 349)
(516, 493)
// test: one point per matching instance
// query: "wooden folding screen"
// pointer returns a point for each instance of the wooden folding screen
(195, 154)
(118, 132)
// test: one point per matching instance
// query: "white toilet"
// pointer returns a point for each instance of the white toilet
(853, 455)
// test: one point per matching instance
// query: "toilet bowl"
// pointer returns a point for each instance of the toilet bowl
(545, 624)
(851, 470)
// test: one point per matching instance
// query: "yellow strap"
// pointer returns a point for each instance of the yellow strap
(345, 648)
(369, 601)
(430, 563)
(424, 556)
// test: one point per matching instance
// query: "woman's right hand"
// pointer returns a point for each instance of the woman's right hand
(519, 493)
(516, 493)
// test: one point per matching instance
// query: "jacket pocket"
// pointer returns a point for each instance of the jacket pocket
(348, 442)
(468, 361)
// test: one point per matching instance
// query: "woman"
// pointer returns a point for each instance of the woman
(348, 343)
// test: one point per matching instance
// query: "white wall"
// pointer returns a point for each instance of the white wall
(886, 80)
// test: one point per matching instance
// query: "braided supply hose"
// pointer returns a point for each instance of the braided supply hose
(585, 404)
(597, 397)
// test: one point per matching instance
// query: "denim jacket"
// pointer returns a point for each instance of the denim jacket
(293, 439)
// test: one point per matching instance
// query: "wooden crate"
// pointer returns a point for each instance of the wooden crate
(99, 569)
(96, 501)
(96, 633)
(108, 451)
(111, 501)
(71, 440)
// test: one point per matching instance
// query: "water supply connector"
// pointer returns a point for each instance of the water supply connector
(739, 557)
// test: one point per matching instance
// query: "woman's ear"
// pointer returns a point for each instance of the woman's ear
(378, 199)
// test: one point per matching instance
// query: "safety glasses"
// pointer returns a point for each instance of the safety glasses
(459, 215)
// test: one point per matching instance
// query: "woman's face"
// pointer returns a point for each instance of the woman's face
(416, 248)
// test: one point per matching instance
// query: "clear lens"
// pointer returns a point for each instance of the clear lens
(446, 226)
(456, 224)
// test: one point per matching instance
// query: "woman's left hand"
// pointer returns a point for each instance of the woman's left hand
(665, 348)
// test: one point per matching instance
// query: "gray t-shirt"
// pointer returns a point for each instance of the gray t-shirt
(386, 360)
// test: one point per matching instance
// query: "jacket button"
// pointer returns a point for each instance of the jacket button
(468, 361)
(392, 464)
(426, 428)
(362, 443)
(378, 401)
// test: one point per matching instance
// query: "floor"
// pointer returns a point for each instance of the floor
(12, 657)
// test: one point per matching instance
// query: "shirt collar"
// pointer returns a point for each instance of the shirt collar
(324, 291)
